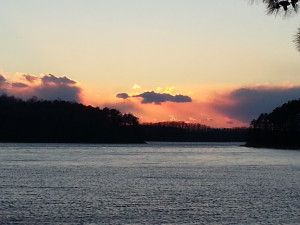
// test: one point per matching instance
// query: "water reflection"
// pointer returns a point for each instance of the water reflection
(168, 183)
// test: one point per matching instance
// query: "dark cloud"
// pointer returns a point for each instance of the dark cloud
(157, 98)
(247, 104)
(19, 85)
(122, 95)
(62, 88)
(51, 79)
(30, 78)
(61, 92)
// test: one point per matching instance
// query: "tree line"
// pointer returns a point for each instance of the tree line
(191, 132)
(59, 121)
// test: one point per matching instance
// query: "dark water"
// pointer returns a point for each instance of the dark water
(148, 184)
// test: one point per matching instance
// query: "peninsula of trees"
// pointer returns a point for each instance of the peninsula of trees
(278, 129)
(61, 121)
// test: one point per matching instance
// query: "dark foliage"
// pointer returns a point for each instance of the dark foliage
(284, 8)
(281, 6)
(191, 132)
(60, 121)
(278, 129)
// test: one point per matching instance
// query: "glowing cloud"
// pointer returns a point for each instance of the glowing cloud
(136, 86)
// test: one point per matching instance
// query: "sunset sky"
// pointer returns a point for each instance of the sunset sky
(219, 63)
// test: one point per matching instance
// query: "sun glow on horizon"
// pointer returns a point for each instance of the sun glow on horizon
(215, 107)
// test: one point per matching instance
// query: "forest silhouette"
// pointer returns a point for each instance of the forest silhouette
(278, 129)
(58, 121)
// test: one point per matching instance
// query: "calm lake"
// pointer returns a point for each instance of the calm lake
(154, 183)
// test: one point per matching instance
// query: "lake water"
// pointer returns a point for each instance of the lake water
(154, 183)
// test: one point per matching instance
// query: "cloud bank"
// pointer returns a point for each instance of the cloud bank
(47, 86)
(246, 104)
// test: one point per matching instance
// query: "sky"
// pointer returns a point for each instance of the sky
(219, 63)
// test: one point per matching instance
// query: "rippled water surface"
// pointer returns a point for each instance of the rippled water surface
(155, 183)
